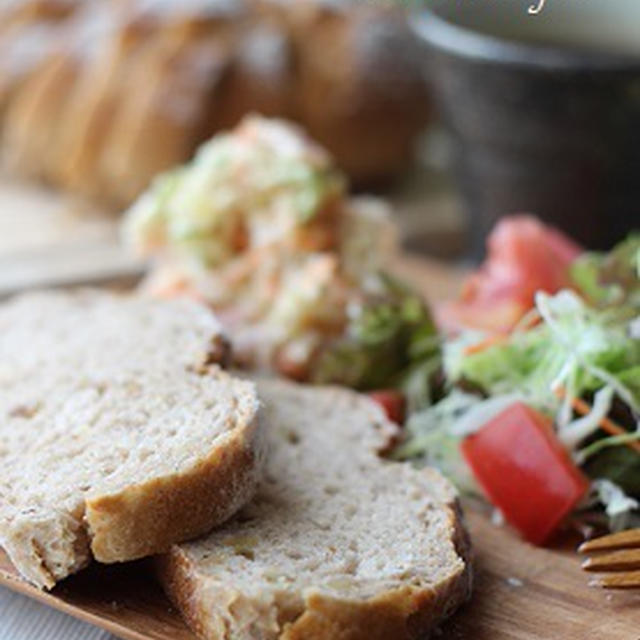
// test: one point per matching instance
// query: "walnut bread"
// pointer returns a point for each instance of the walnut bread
(338, 544)
(119, 433)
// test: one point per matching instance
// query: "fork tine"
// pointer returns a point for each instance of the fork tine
(624, 560)
(630, 580)
(623, 540)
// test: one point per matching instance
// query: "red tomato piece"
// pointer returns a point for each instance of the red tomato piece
(525, 471)
(393, 403)
(523, 256)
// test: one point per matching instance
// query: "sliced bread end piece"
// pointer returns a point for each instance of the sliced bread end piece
(148, 517)
(338, 544)
(119, 435)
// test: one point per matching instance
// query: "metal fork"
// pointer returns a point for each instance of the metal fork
(618, 555)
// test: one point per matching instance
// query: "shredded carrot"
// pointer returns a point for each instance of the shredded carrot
(498, 338)
(608, 425)
(485, 344)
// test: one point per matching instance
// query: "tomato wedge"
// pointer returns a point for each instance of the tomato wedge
(525, 471)
(523, 256)
(393, 403)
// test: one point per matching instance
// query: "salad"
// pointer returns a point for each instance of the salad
(259, 225)
(540, 409)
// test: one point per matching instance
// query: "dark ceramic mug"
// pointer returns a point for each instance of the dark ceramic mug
(544, 108)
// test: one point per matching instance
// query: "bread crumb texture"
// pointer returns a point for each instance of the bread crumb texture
(119, 435)
(338, 544)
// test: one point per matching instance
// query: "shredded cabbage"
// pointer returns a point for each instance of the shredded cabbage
(619, 507)
(431, 438)
(572, 434)
(575, 346)
(479, 414)
(434, 433)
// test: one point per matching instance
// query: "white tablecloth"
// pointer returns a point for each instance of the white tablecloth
(24, 619)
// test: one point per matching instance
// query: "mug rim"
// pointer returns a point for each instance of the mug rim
(465, 42)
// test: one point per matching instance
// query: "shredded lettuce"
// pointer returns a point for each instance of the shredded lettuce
(613, 278)
(621, 510)
(604, 443)
(617, 463)
(432, 439)
(575, 432)
(575, 346)
(391, 340)
(584, 344)
(585, 351)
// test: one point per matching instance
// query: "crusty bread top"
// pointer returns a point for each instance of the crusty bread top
(117, 332)
(118, 433)
(334, 533)
(119, 91)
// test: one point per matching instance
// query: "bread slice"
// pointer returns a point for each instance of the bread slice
(337, 545)
(119, 435)
(173, 87)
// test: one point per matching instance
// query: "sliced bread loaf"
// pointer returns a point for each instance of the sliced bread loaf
(338, 543)
(119, 435)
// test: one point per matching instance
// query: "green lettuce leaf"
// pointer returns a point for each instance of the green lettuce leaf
(619, 464)
(613, 278)
(391, 341)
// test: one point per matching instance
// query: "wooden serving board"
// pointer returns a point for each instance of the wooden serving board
(48, 241)
(521, 593)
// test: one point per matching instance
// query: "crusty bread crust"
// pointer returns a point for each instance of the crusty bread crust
(117, 452)
(128, 101)
(148, 518)
(408, 611)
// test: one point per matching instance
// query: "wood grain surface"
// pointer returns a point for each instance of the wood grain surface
(48, 241)
(521, 592)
